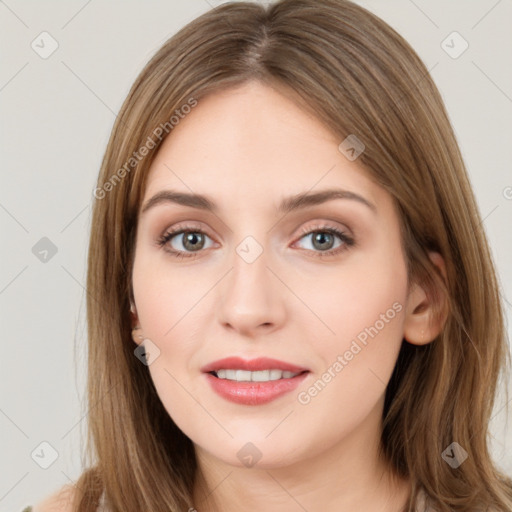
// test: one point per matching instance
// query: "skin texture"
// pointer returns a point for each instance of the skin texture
(248, 148)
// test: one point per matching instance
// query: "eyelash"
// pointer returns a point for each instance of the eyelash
(348, 241)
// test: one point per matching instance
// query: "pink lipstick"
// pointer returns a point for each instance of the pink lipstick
(253, 382)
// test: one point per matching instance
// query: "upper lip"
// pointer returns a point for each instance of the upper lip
(260, 363)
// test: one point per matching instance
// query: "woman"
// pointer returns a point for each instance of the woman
(291, 301)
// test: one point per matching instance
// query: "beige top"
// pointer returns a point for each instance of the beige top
(103, 508)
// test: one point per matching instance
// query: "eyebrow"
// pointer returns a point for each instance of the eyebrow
(289, 204)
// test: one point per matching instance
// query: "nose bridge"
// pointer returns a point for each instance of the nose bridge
(249, 250)
(250, 275)
(249, 296)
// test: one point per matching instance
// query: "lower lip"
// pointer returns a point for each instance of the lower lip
(253, 393)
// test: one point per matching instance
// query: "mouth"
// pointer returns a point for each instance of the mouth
(260, 364)
(253, 382)
(256, 376)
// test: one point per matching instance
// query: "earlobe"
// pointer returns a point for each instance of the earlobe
(137, 335)
(422, 321)
(417, 318)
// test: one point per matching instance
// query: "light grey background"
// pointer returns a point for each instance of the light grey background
(57, 114)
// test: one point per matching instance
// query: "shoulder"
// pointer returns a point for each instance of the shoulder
(60, 501)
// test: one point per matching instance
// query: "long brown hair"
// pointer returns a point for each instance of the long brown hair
(358, 76)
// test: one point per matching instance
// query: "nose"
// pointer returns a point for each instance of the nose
(251, 298)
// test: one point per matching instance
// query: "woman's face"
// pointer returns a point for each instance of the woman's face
(319, 286)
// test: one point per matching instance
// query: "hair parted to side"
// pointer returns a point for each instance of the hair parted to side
(358, 76)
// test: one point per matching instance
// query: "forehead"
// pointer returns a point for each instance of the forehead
(253, 139)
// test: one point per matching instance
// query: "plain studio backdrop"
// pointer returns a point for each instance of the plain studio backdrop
(66, 69)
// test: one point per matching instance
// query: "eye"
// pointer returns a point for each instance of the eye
(323, 240)
(184, 242)
(189, 241)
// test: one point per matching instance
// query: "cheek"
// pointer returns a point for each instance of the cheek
(165, 309)
(365, 309)
(366, 295)
(365, 300)
(164, 298)
(171, 308)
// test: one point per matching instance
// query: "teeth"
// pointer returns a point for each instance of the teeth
(242, 375)
(259, 376)
(275, 374)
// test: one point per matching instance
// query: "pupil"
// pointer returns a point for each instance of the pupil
(192, 238)
(321, 238)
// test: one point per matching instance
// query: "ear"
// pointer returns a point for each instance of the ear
(422, 325)
(136, 328)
